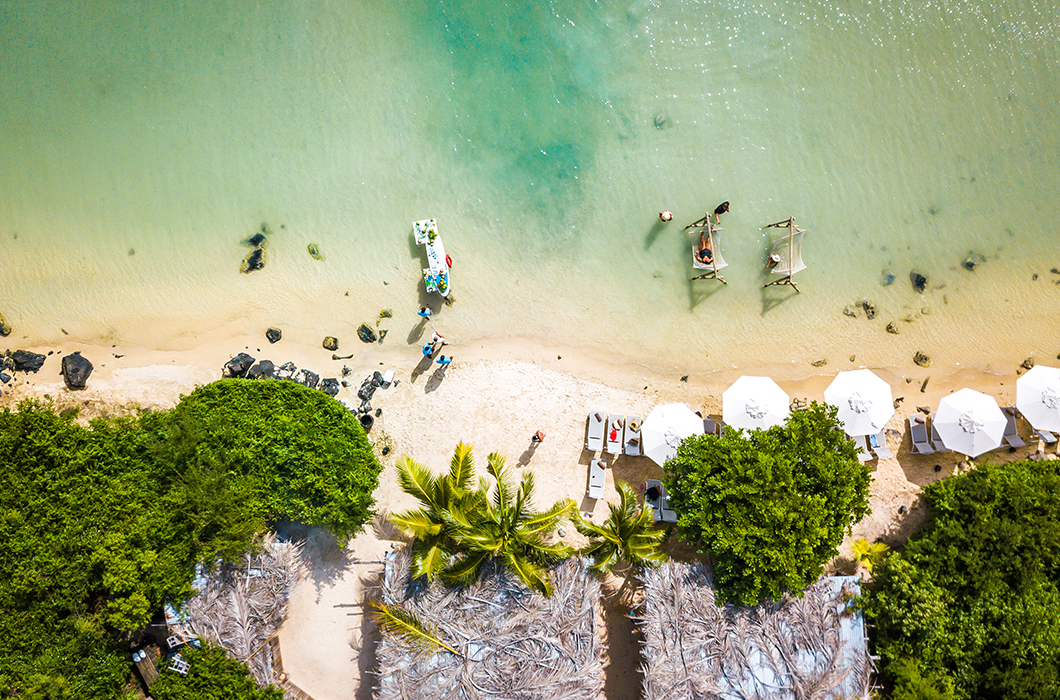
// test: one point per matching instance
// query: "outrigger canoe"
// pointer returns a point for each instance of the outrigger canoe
(436, 274)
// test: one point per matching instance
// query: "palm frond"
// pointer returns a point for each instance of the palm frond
(462, 467)
(404, 624)
(416, 480)
(428, 559)
(417, 523)
(502, 497)
(535, 577)
(542, 523)
(464, 571)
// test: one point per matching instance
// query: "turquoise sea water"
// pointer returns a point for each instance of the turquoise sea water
(141, 141)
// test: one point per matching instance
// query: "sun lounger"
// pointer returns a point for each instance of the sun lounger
(1010, 436)
(710, 426)
(595, 443)
(878, 443)
(597, 477)
(863, 447)
(660, 504)
(918, 432)
(633, 435)
(616, 429)
(1048, 437)
(936, 440)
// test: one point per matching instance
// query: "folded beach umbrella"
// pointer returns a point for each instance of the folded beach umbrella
(970, 422)
(1038, 397)
(754, 402)
(864, 401)
(665, 428)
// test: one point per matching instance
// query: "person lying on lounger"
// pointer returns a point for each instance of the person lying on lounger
(704, 254)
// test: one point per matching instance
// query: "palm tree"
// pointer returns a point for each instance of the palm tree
(447, 498)
(506, 530)
(628, 535)
(868, 554)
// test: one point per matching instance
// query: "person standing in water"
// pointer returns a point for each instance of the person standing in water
(722, 208)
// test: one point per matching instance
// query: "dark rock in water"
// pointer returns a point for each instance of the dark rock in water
(263, 370)
(314, 252)
(274, 335)
(330, 386)
(76, 371)
(892, 328)
(819, 363)
(26, 361)
(5, 330)
(5, 377)
(366, 334)
(286, 371)
(1034, 277)
(922, 359)
(684, 378)
(238, 366)
(661, 120)
(1028, 363)
(972, 261)
(258, 240)
(331, 343)
(851, 310)
(254, 261)
(1054, 271)
(919, 281)
(307, 378)
(888, 279)
(870, 309)
(382, 334)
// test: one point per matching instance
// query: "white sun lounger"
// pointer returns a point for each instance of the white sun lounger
(597, 478)
(1046, 436)
(616, 425)
(1010, 436)
(878, 443)
(710, 426)
(936, 440)
(918, 433)
(595, 442)
(633, 435)
(863, 447)
(659, 506)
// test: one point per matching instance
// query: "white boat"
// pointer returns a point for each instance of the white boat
(436, 274)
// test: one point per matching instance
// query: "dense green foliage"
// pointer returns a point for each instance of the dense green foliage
(770, 507)
(973, 600)
(213, 676)
(628, 536)
(461, 530)
(101, 525)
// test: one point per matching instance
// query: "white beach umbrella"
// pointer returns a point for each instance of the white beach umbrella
(864, 401)
(665, 428)
(1038, 397)
(754, 402)
(970, 422)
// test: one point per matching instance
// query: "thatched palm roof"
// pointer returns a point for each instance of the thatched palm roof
(240, 608)
(799, 648)
(513, 643)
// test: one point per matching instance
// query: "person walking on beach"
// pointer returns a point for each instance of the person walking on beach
(424, 312)
(444, 360)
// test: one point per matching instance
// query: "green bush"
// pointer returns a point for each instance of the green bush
(770, 507)
(212, 676)
(974, 596)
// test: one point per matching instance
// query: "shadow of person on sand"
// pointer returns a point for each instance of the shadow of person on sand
(653, 233)
(420, 368)
(524, 458)
(436, 379)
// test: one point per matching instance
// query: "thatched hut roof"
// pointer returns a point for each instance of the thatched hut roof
(240, 608)
(808, 647)
(514, 644)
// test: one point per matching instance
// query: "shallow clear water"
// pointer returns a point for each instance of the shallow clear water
(140, 142)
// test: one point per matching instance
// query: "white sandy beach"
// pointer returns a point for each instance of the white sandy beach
(494, 397)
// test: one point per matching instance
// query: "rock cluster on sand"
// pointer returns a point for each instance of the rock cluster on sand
(243, 366)
(26, 361)
(76, 371)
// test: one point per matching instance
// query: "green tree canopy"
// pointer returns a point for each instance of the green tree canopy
(973, 601)
(212, 676)
(770, 507)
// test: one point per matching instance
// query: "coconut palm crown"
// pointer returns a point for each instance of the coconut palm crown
(628, 535)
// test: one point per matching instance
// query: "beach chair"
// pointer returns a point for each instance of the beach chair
(659, 505)
(878, 443)
(918, 433)
(633, 435)
(616, 428)
(597, 478)
(710, 426)
(1010, 436)
(1047, 437)
(711, 233)
(936, 440)
(863, 447)
(595, 442)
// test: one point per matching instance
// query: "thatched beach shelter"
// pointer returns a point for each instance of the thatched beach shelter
(796, 649)
(512, 643)
(240, 608)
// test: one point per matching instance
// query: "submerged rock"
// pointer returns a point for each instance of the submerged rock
(314, 252)
(366, 334)
(238, 366)
(851, 310)
(382, 334)
(919, 281)
(331, 343)
(274, 335)
(887, 280)
(330, 386)
(286, 371)
(972, 261)
(263, 370)
(76, 371)
(308, 379)
(892, 327)
(254, 261)
(870, 309)
(922, 359)
(26, 361)
(258, 240)
(5, 330)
